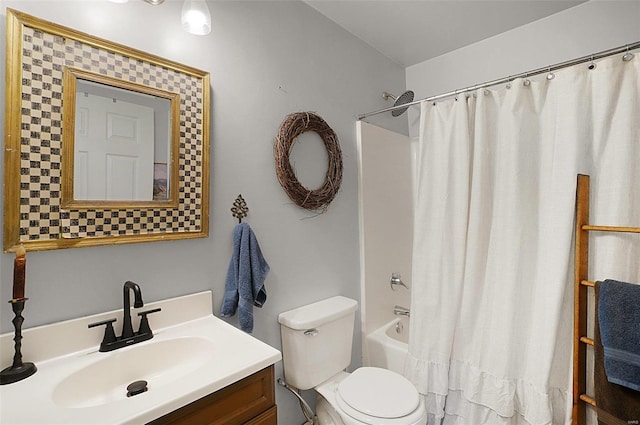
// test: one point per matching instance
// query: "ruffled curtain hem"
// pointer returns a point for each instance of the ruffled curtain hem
(462, 394)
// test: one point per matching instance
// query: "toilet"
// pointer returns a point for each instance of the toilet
(316, 348)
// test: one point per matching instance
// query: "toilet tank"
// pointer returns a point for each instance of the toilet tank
(317, 340)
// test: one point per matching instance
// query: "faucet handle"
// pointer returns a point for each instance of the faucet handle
(144, 322)
(143, 314)
(396, 281)
(109, 334)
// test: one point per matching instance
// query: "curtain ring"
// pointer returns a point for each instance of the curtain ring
(526, 81)
(550, 75)
(592, 65)
(627, 56)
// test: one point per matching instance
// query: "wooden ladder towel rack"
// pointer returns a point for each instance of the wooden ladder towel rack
(581, 285)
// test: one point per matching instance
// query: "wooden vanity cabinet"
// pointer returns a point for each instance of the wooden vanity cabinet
(250, 401)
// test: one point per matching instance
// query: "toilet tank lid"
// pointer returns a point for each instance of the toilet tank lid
(318, 313)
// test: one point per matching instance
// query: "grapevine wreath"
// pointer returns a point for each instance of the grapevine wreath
(293, 126)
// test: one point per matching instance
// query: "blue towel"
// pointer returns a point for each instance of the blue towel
(619, 318)
(244, 287)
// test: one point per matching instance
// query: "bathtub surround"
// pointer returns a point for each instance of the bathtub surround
(386, 201)
(492, 282)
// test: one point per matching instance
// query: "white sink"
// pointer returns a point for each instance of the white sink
(191, 355)
(159, 363)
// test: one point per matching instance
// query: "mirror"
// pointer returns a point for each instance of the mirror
(49, 199)
(121, 143)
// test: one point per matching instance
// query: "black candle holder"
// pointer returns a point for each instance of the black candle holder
(18, 370)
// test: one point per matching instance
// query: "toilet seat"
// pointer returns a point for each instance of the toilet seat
(374, 396)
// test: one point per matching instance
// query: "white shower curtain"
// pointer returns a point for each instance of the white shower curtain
(491, 311)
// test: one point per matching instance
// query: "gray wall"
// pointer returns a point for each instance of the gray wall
(587, 28)
(266, 59)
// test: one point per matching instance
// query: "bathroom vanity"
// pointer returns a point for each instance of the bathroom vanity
(198, 369)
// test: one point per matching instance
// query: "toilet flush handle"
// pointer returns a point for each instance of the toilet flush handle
(311, 332)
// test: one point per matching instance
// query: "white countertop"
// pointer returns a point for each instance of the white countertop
(234, 355)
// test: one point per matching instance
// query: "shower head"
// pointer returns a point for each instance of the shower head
(405, 97)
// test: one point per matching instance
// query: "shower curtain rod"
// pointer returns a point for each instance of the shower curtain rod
(546, 69)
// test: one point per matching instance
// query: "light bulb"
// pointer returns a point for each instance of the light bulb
(196, 18)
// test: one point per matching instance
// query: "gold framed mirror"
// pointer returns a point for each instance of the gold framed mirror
(45, 206)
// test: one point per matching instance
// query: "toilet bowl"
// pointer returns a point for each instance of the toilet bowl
(316, 348)
(371, 396)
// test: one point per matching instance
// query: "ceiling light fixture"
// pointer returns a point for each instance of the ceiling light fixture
(154, 2)
(196, 18)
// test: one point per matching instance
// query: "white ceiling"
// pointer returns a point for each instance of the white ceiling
(412, 31)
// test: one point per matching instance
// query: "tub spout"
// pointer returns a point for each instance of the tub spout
(401, 311)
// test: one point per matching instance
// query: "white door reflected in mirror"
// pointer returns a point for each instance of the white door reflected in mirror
(114, 149)
(122, 144)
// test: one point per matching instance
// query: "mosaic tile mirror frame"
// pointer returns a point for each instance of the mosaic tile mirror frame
(38, 52)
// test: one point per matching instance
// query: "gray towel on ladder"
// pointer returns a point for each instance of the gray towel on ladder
(617, 405)
(619, 319)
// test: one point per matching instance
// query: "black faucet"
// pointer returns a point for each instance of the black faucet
(110, 342)
(127, 328)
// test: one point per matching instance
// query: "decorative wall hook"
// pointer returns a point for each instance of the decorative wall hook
(239, 209)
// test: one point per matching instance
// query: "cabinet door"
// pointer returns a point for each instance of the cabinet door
(270, 417)
(237, 404)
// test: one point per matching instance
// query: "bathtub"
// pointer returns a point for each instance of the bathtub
(388, 345)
